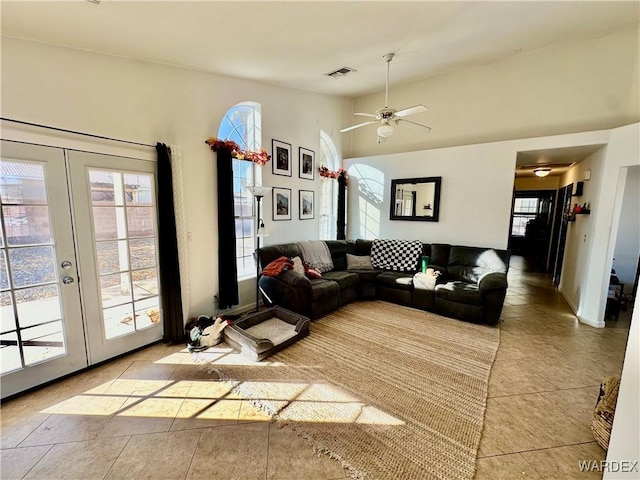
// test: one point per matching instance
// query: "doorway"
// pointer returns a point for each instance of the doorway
(531, 223)
(560, 232)
(78, 261)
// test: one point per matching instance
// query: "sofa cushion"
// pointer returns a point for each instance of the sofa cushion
(471, 263)
(359, 262)
(344, 279)
(460, 292)
(323, 288)
(363, 247)
(339, 250)
(269, 254)
(397, 280)
(439, 255)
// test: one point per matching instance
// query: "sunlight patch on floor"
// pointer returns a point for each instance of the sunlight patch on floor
(214, 400)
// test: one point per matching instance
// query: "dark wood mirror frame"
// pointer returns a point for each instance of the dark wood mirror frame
(420, 199)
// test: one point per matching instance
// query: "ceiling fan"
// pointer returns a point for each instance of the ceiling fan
(389, 116)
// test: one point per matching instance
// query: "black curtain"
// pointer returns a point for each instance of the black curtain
(342, 215)
(169, 265)
(227, 268)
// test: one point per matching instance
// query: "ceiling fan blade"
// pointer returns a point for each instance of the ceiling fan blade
(366, 115)
(411, 111)
(402, 120)
(353, 127)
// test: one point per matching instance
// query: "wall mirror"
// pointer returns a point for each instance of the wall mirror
(415, 199)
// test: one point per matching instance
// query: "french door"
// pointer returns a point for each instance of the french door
(78, 261)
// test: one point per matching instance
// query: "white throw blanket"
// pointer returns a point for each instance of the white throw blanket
(316, 253)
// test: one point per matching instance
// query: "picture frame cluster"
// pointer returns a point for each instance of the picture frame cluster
(283, 160)
(282, 165)
(282, 204)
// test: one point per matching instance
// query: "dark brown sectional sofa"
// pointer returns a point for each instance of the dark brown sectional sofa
(471, 286)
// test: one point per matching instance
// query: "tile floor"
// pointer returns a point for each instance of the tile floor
(154, 414)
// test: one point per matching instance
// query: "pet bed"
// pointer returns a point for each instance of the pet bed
(264, 333)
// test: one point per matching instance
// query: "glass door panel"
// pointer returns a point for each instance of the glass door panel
(116, 197)
(41, 335)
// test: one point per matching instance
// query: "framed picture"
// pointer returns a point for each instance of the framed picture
(281, 158)
(281, 203)
(307, 159)
(306, 204)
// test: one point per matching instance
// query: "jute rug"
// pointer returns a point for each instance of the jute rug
(389, 391)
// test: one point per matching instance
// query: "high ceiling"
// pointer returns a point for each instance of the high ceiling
(294, 44)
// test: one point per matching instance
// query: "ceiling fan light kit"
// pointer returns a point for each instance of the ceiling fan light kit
(385, 130)
(389, 116)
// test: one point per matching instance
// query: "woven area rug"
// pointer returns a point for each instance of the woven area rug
(389, 391)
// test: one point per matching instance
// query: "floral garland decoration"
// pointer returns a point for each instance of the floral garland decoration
(261, 157)
(325, 172)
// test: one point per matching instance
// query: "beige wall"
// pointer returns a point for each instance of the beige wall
(573, 87)
(537, 183)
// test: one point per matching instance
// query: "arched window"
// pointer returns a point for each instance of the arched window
(243, 124)
(328, 188)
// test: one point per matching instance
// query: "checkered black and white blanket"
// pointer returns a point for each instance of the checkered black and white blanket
(397, 255)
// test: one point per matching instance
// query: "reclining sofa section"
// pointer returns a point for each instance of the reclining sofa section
(471, 286)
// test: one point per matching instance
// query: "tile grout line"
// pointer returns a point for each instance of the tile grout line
(577, 444)
(117, 458)
(266, 473)
(195, 450)
(39, 460)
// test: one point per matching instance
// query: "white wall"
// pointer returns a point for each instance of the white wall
(475, 198)
(476, 194)
(147, 102)
(622, 151)
(624, 445)
(574, 87)
(579, 233)
(627, 247)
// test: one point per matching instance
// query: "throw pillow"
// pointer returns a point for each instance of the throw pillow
(298, 267)
(312, 272)
(359, 262)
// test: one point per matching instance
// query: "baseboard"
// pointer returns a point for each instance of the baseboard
(586, 321)
(590, 322)
(569, 301)
(239, 310)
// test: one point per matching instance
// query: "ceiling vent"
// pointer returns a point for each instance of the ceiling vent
(341, 72)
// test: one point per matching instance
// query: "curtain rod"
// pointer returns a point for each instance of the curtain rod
(76, 132)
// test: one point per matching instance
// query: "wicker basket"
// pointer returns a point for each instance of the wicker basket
(605, 411)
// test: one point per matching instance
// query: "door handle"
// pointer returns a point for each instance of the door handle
(67, 280)
(66, 264)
